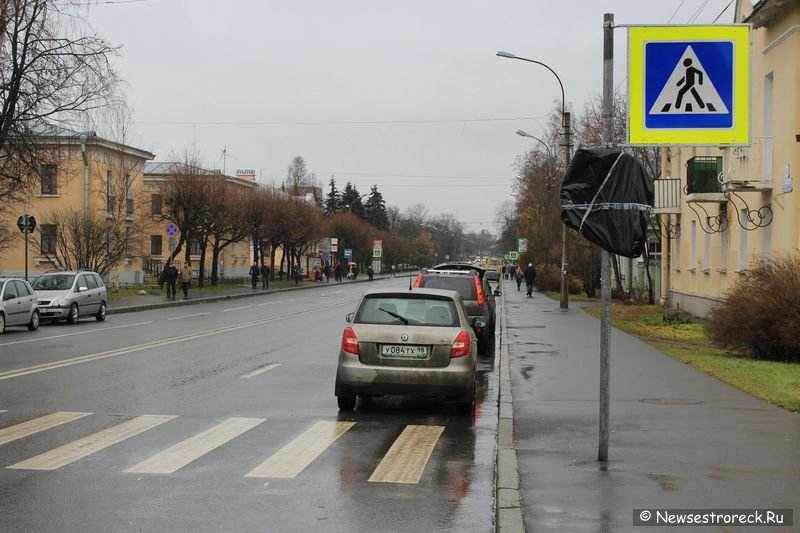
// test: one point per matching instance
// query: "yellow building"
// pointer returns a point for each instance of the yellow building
(737, 205)
(84, 174)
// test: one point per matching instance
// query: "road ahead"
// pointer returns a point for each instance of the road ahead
(221, 417)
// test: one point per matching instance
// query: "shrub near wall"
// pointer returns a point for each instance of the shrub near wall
(760, 315)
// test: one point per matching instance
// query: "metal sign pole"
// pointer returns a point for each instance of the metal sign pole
(26, 253)
(605, 267)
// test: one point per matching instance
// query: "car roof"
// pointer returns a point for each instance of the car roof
(460, 265)
(439, 272)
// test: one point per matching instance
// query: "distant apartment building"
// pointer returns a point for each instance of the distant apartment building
(82, 173)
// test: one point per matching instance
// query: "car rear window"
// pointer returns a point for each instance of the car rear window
(418, 311)
(463, 285)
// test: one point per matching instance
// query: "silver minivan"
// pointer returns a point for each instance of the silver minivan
(71, 295)
(18, 304)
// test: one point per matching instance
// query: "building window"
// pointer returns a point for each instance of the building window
(155, 245)
(48, 175)
(155, 204)
(707, 247)
(723, 250)
(129, 194)
(109, 192)
(693, 249)
(766, 243)
(48, 242)
(194, 248)
(678, 242)
(743, 239)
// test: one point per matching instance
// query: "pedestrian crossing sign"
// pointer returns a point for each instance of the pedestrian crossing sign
(689, 85)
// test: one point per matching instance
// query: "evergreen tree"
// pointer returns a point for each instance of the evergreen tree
(351, 200)
(375, 210)
(333, 201)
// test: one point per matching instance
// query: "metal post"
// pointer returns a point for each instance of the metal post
(565, 117)
(26, 247)
(605, 267)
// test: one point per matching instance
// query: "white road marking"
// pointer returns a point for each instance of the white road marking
(293, 458)
(36, 425)
(69, 453)
(183, 453)
(157, 344)
(406, 459)
(187, 316)
(260, 371)
(82, 332)
(236, 308)
(270, 303)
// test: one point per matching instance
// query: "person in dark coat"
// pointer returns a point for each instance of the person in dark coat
(254, 274)
(171, 279)
(265, 277)
(297, 273)
(370, 272)
(530, 278)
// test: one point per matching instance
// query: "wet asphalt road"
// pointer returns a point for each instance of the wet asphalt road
(255, 377)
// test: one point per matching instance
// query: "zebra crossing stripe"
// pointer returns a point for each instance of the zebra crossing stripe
(86, 446)
(293, 458)
(183, 453)
(36, 425)
(406, 459)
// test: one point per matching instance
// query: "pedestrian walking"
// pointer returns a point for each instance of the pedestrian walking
(530, 278)
(254, 274)
(297, 274)
(327, 273)
(186, 279)
(264, 277)
(519, 276)
(171, 278)
(337, 272)
(370, 272)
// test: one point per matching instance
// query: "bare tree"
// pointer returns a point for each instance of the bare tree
(224, 219)
(53, 69)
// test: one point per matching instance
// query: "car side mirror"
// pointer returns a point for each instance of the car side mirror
(81, 289)
(349, 317)
(497, 293)
(479, 322)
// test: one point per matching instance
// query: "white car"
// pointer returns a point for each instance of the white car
(71, 295)
(18, 304)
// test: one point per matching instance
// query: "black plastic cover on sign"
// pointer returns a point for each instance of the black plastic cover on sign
(607, 197)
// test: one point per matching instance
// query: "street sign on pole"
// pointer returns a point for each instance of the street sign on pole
(172, 230)
(522, 245)
(26, 224)
(689, 85)
(348, 253)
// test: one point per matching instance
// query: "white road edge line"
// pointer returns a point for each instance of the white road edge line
(78, 333)
(260, 371)
(187, 316)
(236, 308)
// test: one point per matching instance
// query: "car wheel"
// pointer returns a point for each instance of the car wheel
(346, 403)
(33, 324)
(101, 313)
(2, 323)
(73, 315)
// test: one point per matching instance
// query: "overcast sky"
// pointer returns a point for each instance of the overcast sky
(407, 95)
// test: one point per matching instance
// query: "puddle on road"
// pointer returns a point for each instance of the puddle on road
(526, 371)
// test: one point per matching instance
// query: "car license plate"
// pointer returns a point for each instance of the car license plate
(403, 351)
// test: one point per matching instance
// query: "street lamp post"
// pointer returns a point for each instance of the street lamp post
(565, 126)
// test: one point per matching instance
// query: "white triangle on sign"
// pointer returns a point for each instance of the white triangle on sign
(688, 90)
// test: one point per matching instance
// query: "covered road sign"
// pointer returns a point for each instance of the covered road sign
(689, 85)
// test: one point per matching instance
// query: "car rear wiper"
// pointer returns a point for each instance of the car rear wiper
(399, 317)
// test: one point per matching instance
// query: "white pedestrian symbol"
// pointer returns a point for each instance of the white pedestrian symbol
(689, 90)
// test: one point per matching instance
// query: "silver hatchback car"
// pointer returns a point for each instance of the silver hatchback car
(71, 295)
(409, 342)
(18, 304)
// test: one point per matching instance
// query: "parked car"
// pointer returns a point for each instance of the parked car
(411, 343)
(18, 304)
(71, 295)
(475, 291)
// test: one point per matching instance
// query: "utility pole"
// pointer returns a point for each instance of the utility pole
(605, 267)
(564, 303)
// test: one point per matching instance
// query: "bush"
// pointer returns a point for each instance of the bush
(760, 315)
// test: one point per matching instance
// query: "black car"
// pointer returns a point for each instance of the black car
(474, 290)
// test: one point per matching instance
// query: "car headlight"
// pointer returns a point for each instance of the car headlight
(61, 302)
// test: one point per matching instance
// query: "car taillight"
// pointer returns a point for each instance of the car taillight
(419, 280)
(349, 341)
(461, 346)
(479, 290)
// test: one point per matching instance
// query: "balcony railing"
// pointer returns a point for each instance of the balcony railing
(703, 174)
(750, 167)
(668, 196)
